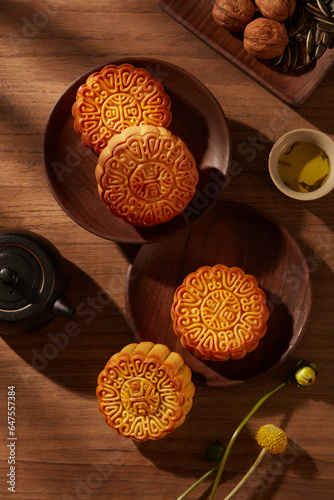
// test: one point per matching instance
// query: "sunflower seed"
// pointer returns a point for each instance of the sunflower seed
(327, 38)
(313, 8)
(310, 30)
(303, 55)
(297, 27)
(292, 30)
(318, 34)
(322, 6)
(319, 50)
(326, 26)
(276, 61)
(293, 56)
(307, 17)
(310, 39)
(286, 59)
(301, 35)
(321, 17)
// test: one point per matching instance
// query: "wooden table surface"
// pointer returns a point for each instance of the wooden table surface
(64, 449)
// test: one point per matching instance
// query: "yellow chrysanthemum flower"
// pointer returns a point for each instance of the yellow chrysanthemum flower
(272, 438)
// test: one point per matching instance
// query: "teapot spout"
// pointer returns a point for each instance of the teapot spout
(62, 308)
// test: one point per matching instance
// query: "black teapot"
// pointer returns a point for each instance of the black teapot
(33, 283)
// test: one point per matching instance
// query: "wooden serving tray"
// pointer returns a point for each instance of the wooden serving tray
(70, 167)
(294, 87)
(235, 235)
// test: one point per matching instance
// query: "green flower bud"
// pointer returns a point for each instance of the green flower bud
(306, 375)
(215, 451)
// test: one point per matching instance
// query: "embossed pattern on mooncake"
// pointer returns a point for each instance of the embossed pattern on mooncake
(115, 98)
(146, 175)
(220, 313)
(145, 391)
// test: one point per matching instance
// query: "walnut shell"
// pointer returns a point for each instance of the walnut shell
(278, 10)
(233, 15)
(265, 38)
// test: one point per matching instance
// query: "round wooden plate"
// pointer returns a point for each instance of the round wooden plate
(197, 118)
(234, 235)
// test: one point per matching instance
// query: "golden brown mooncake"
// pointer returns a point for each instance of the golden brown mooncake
(145, 391)
(219, 313)
(146, 175)
(115, 98)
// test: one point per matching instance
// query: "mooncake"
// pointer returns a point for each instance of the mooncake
(115, 98)
(145, 391)
(146, 175)
(219, 313)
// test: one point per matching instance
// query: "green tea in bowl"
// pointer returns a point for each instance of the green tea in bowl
(304, 166)
(301, 164)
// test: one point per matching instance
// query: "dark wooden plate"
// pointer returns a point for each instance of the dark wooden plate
(70, 167)
(293, 87)
(234, 235)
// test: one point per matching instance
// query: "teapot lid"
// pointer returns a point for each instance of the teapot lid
(27, 277)
(33, 282)
(21, 277)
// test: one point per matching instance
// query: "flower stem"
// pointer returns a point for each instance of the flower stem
(246, 476)
(186, 493)
(234, 437)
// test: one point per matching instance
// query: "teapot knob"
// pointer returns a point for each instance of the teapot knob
(62, 308)
(7, 276)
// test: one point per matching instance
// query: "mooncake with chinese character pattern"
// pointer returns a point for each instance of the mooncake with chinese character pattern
(220, 313)
(145, 391)
(146, 175)
(115, 98)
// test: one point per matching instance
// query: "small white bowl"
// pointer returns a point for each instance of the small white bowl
(307, 135)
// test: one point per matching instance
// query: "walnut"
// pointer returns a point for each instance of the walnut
(233, 15)
(265, 38)
(278, 10)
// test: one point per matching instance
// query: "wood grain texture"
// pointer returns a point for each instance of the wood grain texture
(64, 448)
(292, 86)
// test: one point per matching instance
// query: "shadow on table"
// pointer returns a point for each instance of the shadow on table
(181, 452)
(33, 25)
(214, 411)
(73, 352)
(248, 180)
(182, 455)
(295, 459)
